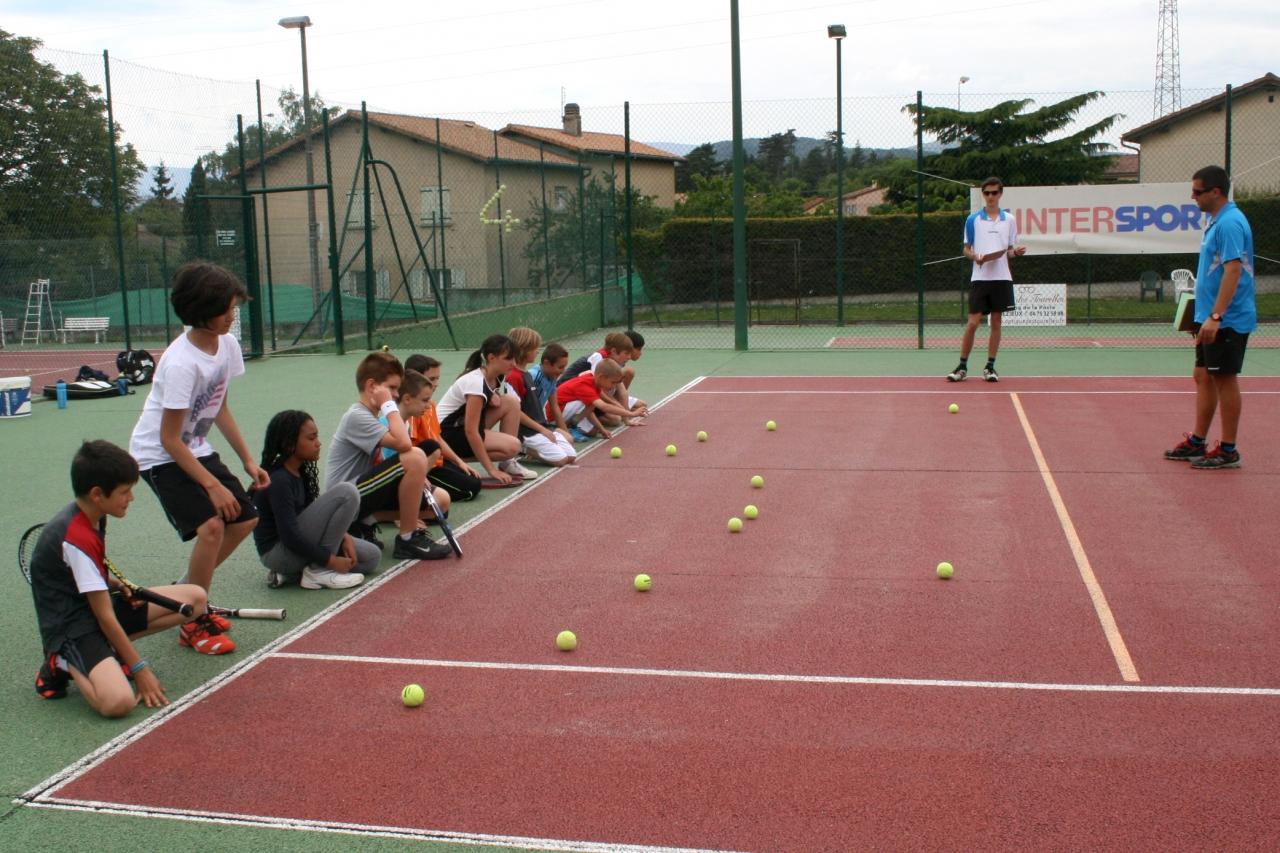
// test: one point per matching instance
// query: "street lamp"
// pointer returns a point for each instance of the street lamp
(300, 23)
(963, 80)
(837, 32)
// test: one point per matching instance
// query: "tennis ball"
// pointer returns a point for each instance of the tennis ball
(751, 511)
(735, 525)
(770, 425)
(671, 450)
(386, 348)
(702, 435)
(412, 695)
(945, 571)
(566, 641)
(953, 408)
(616, 453)
(643, 583)
(757, 482)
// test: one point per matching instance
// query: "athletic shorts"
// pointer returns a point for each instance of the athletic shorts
(1225, 356)
(456, 438)
(990, 297)
(380, 487)
(87, 651)
(186, 504)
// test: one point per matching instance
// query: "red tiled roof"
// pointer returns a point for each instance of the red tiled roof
(589, 143)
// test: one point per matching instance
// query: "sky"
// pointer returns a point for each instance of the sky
(507, 60)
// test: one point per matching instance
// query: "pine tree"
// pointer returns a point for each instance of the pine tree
(195, 212)
(162, 188)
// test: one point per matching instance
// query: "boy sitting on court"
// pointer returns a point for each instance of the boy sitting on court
(392, 488)
(86, 631)
(586, 400)
(415, 396)
(201, 498)
(542, 377)
(450, 472)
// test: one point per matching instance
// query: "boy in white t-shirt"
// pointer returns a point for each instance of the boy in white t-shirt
(990, 239)
(202, 499)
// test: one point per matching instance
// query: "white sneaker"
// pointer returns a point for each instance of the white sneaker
(514, 468)
(313, 578)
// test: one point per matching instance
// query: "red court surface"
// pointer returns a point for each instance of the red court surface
(48, 366)
(808, 684)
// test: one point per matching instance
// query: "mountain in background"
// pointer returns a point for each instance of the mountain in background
(804, 144)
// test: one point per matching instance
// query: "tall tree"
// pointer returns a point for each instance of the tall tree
(162, 184)
(775, 152)
(700, 161)
(1009, 140)
(55, 156)
(217, 165)
(195, 212)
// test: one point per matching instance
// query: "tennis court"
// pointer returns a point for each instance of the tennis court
(1097, 674)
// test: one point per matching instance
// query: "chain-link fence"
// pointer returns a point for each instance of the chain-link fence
(439, 230)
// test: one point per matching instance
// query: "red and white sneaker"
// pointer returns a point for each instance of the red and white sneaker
(206, 638)
(222, 622)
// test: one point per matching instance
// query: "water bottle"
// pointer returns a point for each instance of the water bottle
(62, 394)
(122, 385)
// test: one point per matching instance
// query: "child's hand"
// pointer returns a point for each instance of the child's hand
(380, 394)
(224, 503)
(150, 693)
(1018, 251)
(261, 479)
(501, 476)
(604, 433)
(348, 547)
(340, 564)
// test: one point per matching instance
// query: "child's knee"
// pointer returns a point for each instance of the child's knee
(212, 530)
(117, 704)
(443, 498)
(414, 461)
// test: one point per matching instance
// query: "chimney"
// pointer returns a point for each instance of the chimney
(572, 120)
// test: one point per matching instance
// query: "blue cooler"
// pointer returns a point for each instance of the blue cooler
(15, 396)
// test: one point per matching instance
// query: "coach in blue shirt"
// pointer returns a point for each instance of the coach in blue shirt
(1226, 312)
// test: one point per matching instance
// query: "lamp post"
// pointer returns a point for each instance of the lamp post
(837, 32)
(963, 80)
(300, 23)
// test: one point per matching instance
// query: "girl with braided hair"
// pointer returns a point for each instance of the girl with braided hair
(302, 534)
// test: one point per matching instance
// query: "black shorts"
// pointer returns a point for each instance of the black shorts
(380, 487)
(1225, 356)
(87, 651)
(456, 438)
(186, 504)
(990, 297)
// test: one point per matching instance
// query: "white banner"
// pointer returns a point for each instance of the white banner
(1038, 305)
(1104, 219)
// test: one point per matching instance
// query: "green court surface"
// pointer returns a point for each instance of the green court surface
(41, 737)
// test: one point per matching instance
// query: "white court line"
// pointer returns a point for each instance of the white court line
(786, 677)
(405, 832)
(86, 763)
(1109, 627)
(888, 392)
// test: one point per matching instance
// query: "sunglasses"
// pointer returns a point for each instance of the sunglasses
(992, 192)
(1197, 193)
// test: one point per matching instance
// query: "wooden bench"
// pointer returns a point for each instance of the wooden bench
(97, 325)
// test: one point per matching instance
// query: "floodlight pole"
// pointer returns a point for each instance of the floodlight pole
(300, 23)
(739, 187)
(837, 32)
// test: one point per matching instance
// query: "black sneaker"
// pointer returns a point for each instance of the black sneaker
(367, 532)
(419, 546)
(1218, 458)
(957, 375)
(989, 374)
(51, 682)
(1187, 451)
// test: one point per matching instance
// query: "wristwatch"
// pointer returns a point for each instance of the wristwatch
(1215, 317)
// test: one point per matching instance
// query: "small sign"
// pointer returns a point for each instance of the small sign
(226, 237)
(1038, 305)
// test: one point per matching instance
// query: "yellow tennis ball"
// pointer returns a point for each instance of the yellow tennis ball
(702, 435)
(616, 453)
(953, 408)
(566, 641)
(412, 696)
(735, 525)
(643, 583)
(757, 482)
(945, 571)
(751, 511)
(671, 450)
(770, 426)
(386, 348)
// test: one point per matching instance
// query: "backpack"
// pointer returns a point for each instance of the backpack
(137, 366)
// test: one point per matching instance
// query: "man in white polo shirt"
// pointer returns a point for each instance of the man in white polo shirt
(990, 239)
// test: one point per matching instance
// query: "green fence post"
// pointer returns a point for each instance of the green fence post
(334, 283)
(247, 210)
(602, 313)
(839, 186)
(546, 241)
(115, 199)
(582, 219)
(739, 188)
(919, 219)
(369, 283)
(502, 251)
(444, 261)
(626, 164)
(1227, 165)
(164, 279)
(266, 217)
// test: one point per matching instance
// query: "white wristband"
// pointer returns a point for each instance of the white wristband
(387, 408)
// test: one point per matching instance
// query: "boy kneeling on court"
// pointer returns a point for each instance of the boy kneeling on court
(86, 629)
(586, 400)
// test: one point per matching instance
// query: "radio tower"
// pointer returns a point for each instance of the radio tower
(1168, 77)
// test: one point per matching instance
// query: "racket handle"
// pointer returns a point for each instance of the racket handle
(248, 612)
(164, 601)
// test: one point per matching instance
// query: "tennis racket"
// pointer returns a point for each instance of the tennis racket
(444, 523)
(27, 547)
